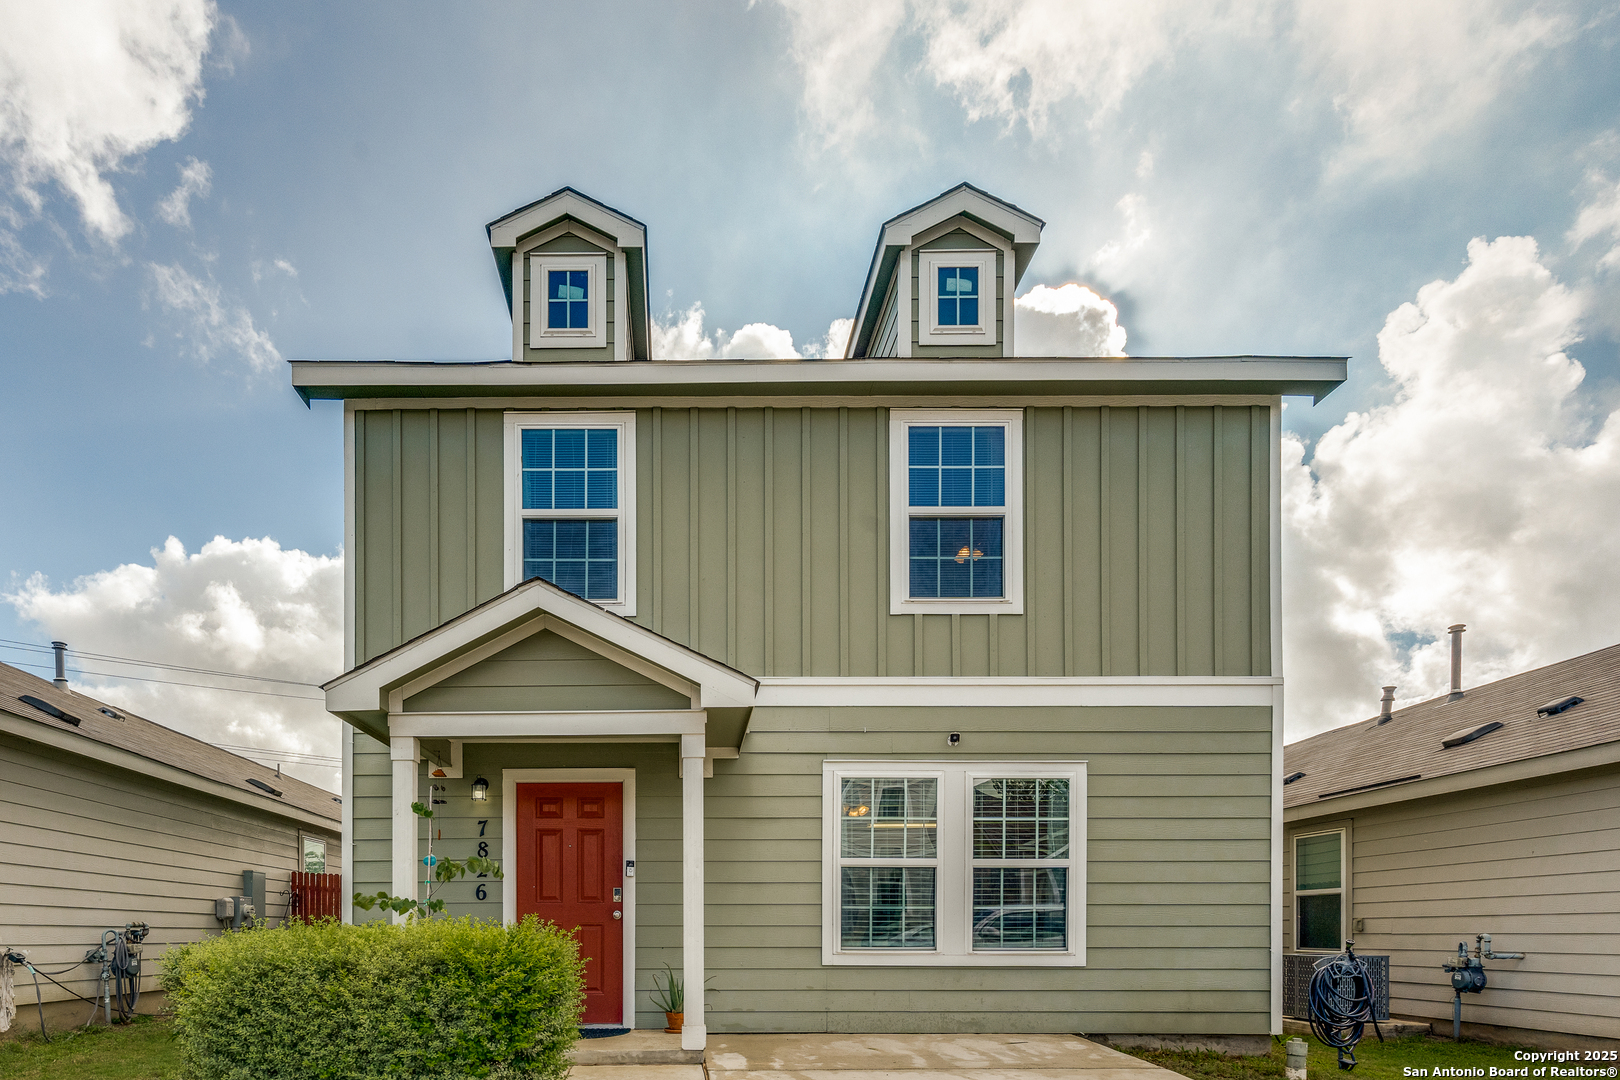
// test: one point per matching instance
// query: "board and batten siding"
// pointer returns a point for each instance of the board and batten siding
(88, 848)
(1178, 867)
(763, 540)
(1535, 865)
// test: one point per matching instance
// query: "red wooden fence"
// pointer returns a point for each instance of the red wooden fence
(316, 896)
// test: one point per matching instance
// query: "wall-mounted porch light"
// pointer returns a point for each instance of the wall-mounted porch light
(480, 790)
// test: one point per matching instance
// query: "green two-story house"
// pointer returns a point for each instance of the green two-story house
(933, 688)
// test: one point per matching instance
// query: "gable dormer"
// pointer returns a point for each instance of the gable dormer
(943, 277)
(575, 274)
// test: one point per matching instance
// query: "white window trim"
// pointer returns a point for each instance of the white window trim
(954, 881)
(901, 512)
(542, 336)
(326, 846)
(928, 330)
(625, 422)
(1342, 891)
(510, 779)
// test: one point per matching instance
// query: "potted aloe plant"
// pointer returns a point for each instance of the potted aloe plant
(669, 994)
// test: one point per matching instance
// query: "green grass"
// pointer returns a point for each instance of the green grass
(143, 1050)
(1374, 1061)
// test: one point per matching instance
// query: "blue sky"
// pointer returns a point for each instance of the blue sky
(1253, 177)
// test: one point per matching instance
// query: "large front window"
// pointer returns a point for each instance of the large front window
(956, 505)
(571, 497)
(957, 863)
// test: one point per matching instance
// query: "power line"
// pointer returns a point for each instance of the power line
(293, 756)
(115, 659)
(172, 682)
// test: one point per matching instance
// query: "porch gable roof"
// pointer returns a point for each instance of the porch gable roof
(360, 695)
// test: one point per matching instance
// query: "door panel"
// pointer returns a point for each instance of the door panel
(570, 859)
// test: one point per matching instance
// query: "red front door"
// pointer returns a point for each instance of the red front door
(571, 872)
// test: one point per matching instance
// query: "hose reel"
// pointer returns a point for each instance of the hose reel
(1341, 1003)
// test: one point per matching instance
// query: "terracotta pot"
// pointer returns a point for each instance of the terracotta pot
(674, 1021)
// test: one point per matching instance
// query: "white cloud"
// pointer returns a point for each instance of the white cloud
(196, 179)
(1484, 493)
(85, 84)
(246, 606)
(1133, 208)
(684, 337)
(216, 324)
(1399, 74)
(1069, 320)
(1600, 220)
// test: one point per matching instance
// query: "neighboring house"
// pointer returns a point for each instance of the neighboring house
(1410, 845)
(929, 689)
(107, 818)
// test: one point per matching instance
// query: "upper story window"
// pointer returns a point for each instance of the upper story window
(570, 499)
(567, 306)
(956, 520)
(958, 298)
(954, 863)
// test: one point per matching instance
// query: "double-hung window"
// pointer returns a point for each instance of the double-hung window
(957, 305)
(567, 301)
(954, 863)
(570, 504)
(956, 535)
(1319, 891)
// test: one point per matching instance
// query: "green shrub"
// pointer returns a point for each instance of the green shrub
(442, 998)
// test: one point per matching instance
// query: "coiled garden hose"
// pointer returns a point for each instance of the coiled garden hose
(1341, 1001)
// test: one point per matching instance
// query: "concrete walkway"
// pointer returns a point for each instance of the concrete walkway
(870, 1057)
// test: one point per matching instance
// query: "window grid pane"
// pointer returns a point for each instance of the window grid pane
(568, 300)
(956, 557)
(893, 818)
(886, 907)
(958, 296)
(577, 554)
(570, 468)
(957, 466)
(1020, 908)
(1021, 819)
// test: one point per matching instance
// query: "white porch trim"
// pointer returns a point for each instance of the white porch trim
(405, 755)
(469, 726)
(510, 779)
(694, 1036)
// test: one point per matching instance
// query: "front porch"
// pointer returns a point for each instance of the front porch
(574, 746)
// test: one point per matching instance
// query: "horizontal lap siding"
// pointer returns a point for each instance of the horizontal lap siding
(545, 671)
(88, 849)
(1178, 909)
(1537, 866)
(763, 540)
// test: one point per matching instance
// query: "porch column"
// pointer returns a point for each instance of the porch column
(694, 1030)
(405, 754)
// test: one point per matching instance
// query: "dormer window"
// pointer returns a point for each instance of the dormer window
(566, 301)
(958, 297)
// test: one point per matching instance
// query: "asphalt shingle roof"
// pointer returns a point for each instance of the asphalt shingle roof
(151, 740)
(1367, 754)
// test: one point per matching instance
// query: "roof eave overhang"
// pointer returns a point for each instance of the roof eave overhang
(360, 696)
(1284, 376)
(1525, 769)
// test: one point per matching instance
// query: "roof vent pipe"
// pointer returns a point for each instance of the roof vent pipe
(1456, 632)
(60, 648)
(1386, 704)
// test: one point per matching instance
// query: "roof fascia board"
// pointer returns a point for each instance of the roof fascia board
(365, 689)
(117, 757)
(626, 232)
(1315, 377)
(1508, 772)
